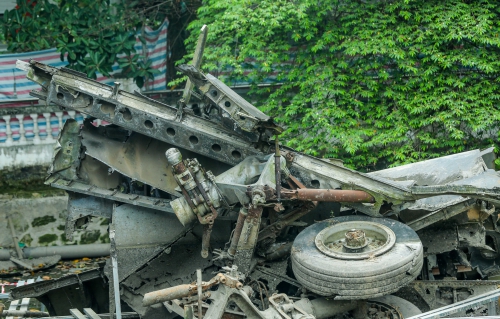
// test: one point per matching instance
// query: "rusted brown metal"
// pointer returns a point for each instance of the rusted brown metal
(205, 239)
(248, 239)
(329, 195)
(274, 229)
(277, 169)
(179, 169)
(237, 232)
(296, 182)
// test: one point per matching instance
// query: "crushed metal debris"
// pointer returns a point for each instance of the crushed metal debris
(211, 217)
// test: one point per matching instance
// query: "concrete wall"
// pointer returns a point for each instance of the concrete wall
(26, 155)
(40, 222)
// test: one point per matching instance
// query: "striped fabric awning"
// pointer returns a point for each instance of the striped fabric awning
(14, 86)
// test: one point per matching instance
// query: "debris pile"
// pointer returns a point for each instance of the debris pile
(212, 217)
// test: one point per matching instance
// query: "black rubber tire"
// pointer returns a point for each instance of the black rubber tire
(373, 282)
(357, 279)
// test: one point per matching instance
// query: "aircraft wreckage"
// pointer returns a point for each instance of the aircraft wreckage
(213, 218)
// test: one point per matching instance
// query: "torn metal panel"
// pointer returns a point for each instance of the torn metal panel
(149, 117)
(81, 208)
(66, 157)
(134, 199)
(255, 171)
(448, 211)
(451, 237)
(170, 268)
(483, 186)
(245, 115)
(489, 157)
(134, 243)
(87, 289)
(196, 62)
(140, 157)
(437, 171)
(473, 235)
(98, 174)
(487, 264)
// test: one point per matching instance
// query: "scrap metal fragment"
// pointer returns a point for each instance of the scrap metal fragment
(490, 299)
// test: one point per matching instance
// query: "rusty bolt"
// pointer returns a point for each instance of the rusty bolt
(289, 156)
(355, 238)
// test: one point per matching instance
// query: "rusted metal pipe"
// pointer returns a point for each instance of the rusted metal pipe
(168, 294)
(205, 239)
(248, 239)
(329, 195)
(277, 169)
(178, 292)
(237, 232)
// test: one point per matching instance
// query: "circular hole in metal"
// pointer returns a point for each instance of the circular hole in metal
(214, 93)
(227, 104)
(193, 139)
(60, 96)
(108, 108)
(170, 131)
(127, 116)
(216, 148)
(148, 124)
(236, 154)
(315, 183)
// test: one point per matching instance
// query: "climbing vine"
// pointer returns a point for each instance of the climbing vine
(375, 83)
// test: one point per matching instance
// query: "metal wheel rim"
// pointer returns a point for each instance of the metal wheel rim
(381, 237)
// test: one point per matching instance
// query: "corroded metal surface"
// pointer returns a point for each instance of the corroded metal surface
(329, 195)
(180, 181)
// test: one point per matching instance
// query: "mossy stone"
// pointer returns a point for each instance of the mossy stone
(47, 239)
(90, 237)
(42, 221)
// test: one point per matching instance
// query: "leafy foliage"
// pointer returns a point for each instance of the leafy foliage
(375, 83)
(93, 34)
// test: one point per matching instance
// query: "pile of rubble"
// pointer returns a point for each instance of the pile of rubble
(212, 217)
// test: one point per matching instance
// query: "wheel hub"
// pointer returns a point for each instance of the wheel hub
(355, 240)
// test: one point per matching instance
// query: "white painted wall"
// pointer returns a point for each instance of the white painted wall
(26, 155)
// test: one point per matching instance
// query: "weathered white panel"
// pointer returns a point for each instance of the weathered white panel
(26, 155)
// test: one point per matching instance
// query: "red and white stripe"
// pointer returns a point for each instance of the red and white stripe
(14, 85)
